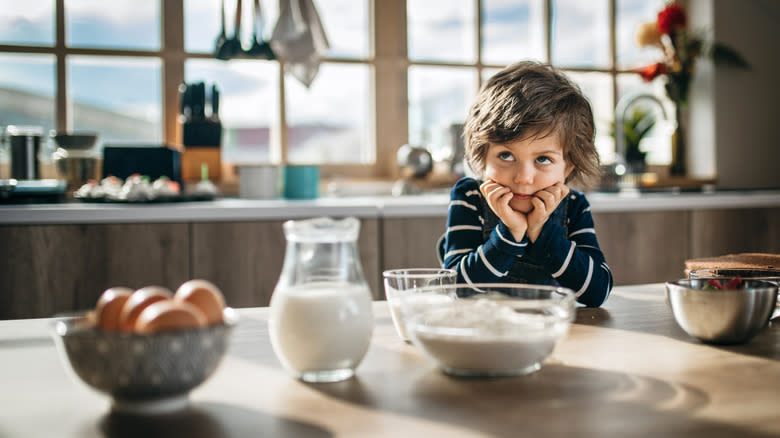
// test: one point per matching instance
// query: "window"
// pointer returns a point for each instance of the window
(576, 38)
(397, 72)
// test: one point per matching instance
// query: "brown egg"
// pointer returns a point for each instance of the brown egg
(138, 301)
(169, 315)
(205, 296)
(109, 305)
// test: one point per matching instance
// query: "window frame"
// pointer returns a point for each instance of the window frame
(387, 60)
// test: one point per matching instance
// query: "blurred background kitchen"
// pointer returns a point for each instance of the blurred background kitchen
(392, 73)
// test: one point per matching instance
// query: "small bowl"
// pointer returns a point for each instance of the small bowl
(721, 316)
(143, 373)
(75, 140)
(488, 330)
(399, 282)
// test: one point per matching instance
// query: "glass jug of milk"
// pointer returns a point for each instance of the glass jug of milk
(321, 319)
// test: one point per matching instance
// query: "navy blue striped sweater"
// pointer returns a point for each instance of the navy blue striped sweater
(574, 261)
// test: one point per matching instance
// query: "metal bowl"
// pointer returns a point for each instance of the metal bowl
(488, 330)
(721, 316)
(414, 161)
(143, 373)
(75, 140)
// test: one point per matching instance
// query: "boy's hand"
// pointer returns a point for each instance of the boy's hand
(498, 197)
(545, 202)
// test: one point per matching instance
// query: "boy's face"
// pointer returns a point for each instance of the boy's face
(526, 166)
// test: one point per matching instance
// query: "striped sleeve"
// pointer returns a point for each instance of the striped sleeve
(464, 250)
(575, 260)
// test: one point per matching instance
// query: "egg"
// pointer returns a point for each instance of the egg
(138, 301)
(205, 296)
(109, 305)
(169, 315)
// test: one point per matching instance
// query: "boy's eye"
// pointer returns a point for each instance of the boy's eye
(505, 156)
(543, 160)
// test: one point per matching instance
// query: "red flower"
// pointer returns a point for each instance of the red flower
(652, 71)
(670, 18)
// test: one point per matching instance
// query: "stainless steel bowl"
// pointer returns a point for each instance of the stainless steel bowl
(721, 316)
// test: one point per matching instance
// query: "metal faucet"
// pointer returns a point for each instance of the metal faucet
(621, 109)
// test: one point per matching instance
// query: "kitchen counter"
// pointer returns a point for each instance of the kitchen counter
(430, 205)
(624, 370)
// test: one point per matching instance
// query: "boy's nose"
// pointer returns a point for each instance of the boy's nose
(524, 174)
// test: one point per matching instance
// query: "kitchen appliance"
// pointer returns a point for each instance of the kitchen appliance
(78, 158)
(24, 147)
(153, 161)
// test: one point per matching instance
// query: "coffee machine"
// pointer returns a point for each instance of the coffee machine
(23, 179)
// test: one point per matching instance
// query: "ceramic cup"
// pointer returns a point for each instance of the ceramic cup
(259, 181)
(301, 182)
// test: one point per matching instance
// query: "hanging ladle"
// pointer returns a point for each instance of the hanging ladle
(221, 51)
(232, 46)
(260, 48)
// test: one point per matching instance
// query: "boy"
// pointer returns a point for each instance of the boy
(529, 133)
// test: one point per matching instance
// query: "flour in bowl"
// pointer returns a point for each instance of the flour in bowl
(487, 337)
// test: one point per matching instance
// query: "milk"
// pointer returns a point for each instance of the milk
(321, 326)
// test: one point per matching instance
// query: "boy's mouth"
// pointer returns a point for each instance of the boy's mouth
(522, 196)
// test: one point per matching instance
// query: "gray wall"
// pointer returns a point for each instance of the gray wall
(735, 115)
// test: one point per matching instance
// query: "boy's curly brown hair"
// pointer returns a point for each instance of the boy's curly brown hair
(531, 99)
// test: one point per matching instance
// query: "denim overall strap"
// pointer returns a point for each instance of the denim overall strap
(525, 269)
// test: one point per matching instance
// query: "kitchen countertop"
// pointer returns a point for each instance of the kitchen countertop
(623, 370)
(234, 209)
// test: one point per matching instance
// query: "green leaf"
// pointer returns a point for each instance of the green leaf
(723, 55)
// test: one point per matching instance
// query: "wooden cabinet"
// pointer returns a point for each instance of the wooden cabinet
(718, 232)
(411, 242)
(50, 269)
(644, 247)
(245, 258)
(649, 247)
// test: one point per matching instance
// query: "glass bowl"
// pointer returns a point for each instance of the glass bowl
(488, 330)
(142, 373)
(721, 316)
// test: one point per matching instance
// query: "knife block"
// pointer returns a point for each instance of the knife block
(201, 140)
(193, 158)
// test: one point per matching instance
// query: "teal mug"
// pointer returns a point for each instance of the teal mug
(301, 182)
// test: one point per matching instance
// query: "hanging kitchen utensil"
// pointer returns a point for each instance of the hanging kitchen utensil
(232, 46)
(260, 48)
(221, 51)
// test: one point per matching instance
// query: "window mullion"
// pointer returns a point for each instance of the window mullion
(391, 99)
(62, 122)
(172, 54)
(548, 29)
(613, 50)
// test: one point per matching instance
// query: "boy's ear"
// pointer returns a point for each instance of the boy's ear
(569, 169)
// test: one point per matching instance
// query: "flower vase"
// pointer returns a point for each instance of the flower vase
(678, 166)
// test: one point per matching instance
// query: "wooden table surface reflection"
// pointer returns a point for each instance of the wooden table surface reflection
(623, 370)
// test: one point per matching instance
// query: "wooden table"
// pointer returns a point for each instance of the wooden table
(624, 370)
